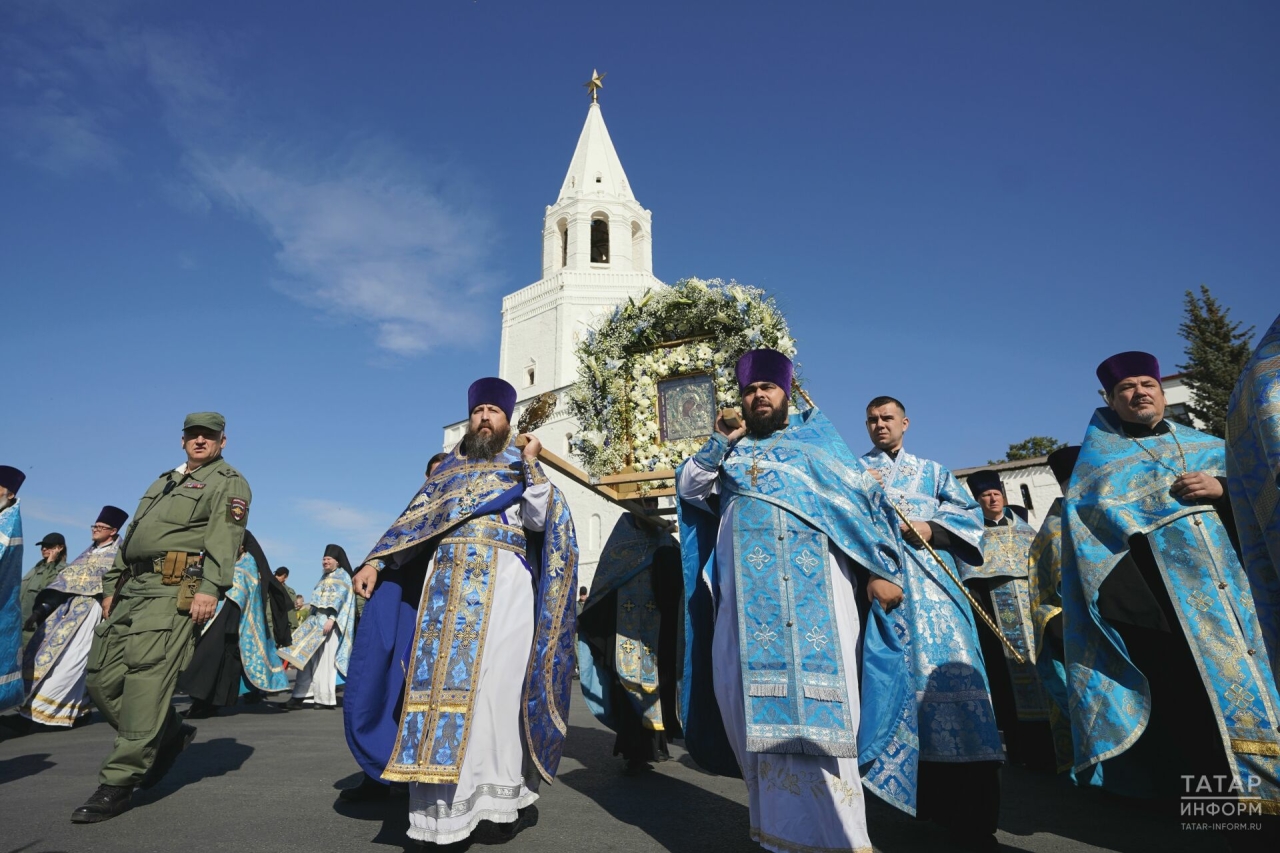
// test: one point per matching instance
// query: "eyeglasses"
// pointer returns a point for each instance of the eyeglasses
(101, 527)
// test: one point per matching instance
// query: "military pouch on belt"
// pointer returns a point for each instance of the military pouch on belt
(174, 564)
(189, 582)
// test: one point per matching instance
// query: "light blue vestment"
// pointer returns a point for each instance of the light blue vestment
(11, 691)
(1121, 487)
(956, 719)
(263, 667)
(333, 598)
(1253, 477)
(794, 496)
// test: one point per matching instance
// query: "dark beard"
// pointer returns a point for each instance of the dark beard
(477, 446)
(763, 426)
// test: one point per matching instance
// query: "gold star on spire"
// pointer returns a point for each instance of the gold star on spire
(595, 84)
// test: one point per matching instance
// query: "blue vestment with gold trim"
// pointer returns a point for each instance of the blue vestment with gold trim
(11, 691)
(461, 507)
(1006, 564)
(1253, 478)
(624, 566)
(793, 496)
(81, 582)
(1121, 487)
(1045, 589)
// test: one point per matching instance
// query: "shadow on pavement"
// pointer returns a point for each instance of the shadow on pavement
(393, 812)
(201, 760)
(1113, 823)
(669, 810)
(1037, 804)
(13, 769)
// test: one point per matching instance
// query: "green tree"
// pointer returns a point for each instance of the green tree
(1216, 353)
(1036, 445)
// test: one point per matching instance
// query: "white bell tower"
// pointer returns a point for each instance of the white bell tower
(597, 250)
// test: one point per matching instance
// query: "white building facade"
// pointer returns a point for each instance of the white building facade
(597, 251)
(1028, 483)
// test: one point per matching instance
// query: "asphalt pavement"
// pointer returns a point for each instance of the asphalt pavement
(258, 780)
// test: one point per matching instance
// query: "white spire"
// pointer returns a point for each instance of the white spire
(595, 171)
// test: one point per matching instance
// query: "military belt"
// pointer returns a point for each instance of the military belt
(137, 568)
(171, 565)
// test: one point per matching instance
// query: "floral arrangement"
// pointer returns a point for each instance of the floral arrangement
(693, 326)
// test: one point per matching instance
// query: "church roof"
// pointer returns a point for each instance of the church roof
(1033, 462)
(595, 168)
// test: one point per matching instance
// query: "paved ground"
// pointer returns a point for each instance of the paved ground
(261, 781)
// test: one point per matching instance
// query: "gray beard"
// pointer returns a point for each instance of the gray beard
(476, 446)
(1148, 418)
(762, 426)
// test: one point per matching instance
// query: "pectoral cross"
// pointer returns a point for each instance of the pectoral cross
(754, 471)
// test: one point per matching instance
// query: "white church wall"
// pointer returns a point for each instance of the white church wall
(1035, 474)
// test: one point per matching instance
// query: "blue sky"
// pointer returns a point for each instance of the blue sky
(305, 215)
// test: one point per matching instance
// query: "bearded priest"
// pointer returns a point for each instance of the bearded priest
(486, 700)
(792, 577)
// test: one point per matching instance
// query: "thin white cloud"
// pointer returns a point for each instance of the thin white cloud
(355, 524)
(58, 136)
(364, 235)
(279, 551)
(38, 509)
(46, 116)
(363, 239)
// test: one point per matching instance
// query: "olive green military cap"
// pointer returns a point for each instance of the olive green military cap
(208, 420)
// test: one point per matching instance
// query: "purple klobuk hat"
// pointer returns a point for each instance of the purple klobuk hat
(1063, 461)
(11, 478)
(494, 391)
(1125, 364)
(984, 481)
(112, 516)
(764, 365)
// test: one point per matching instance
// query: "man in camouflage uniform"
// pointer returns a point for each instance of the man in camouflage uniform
(176, 561)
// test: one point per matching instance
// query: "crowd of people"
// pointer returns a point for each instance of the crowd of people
(819, 623)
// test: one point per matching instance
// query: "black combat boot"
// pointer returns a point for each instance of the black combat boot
(201, 710)
(167, 754)
(106, 802)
